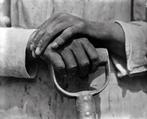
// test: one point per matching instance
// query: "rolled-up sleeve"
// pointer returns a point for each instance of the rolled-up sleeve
(13, 43)
(135, 48)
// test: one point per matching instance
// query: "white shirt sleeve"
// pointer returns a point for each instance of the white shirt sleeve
(135, 48)
(13, 43)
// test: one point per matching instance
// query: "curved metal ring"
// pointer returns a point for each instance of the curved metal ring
(93, 92)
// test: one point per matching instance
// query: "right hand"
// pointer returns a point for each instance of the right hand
(80, 58)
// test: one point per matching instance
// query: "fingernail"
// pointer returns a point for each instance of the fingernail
(54, 45)
(38, 51)
(33, 54)
(31, 47)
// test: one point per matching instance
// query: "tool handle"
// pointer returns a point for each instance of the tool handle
(86, 107)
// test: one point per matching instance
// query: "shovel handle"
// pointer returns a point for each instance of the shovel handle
(86, 107)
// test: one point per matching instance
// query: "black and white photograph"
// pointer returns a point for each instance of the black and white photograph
(73, 59)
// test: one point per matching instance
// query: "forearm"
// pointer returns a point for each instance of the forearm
(107, 35)
(126, 44)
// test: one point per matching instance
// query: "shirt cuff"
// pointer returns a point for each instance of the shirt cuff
(13, 43)
(135, 48)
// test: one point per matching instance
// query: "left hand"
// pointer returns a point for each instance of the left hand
(60, 27)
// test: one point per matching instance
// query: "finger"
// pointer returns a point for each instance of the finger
(44, 39)
(49, 25)
(69, 60)
(81, 58)
(55, 59)
(49, 36)
(64, 37)
(91, 53)
(35, 39)
(45, 28)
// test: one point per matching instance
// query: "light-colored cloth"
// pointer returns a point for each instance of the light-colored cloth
(135, 48)
(13, 42)
(135, 40)
(30, 14)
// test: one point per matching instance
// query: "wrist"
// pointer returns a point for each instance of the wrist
(117, 45)
(105, 34)
(101, 34)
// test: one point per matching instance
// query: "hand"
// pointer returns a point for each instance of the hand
(79, 57)
(60, 27)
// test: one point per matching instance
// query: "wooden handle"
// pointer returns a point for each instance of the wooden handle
(86, 107)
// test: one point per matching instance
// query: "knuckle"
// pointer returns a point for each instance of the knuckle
(72, 67)
(59, 39)
(74, 42)
(74, 45)
(95, 59)
(59, 67)
(86, 41)
(72, 70)
(85, 63)
(68, 31)
(83, 40)
(78, 41)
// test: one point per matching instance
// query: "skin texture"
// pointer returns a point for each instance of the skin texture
(66, 41)
(77, 58)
